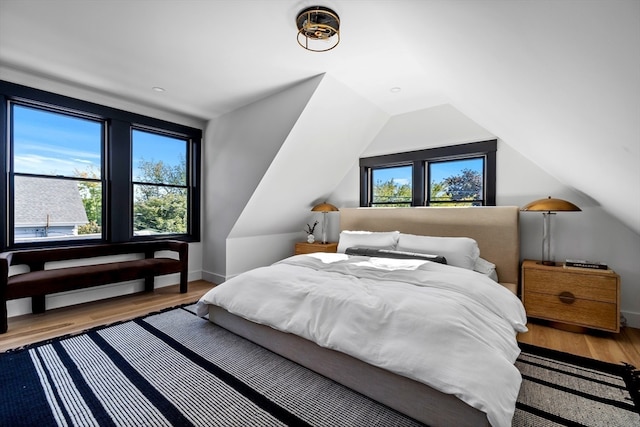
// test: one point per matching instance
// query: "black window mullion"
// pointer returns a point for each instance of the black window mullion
(365, 186)
(193, 169)
(4, 181)
(490, 178)
(418, 183)
(119, 209)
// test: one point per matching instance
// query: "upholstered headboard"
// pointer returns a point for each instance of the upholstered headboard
(495, 228)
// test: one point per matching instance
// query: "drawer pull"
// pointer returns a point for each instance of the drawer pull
(567, 297)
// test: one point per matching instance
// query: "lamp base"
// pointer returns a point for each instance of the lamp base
(549, 263)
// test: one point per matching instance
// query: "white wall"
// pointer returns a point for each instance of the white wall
(591, 234)
(239, 148)
(268, 163)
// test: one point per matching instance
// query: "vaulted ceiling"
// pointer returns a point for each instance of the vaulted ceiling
(558, 81)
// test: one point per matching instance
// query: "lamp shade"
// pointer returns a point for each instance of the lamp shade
(551, 205)
(324, 207)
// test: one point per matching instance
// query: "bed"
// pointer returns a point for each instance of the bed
(496, 231)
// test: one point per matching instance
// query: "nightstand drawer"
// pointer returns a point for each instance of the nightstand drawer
(583, 312)
(601, 287)
(309, 248)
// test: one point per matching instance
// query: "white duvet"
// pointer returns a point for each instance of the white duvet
(448, 327)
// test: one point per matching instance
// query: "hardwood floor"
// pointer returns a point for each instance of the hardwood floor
(608, 347)
(30, 328)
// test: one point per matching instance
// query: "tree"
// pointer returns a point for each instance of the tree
(91, 194)
(165, 214)
(160, 204)
(458, 189)
(392, 193)
(438, 191)
(466, 186)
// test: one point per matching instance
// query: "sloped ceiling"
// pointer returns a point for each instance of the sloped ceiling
(558, 81)
(306, 165)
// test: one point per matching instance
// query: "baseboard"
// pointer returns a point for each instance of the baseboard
(632, 319)
(213, 277)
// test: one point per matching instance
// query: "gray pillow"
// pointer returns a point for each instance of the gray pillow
(388, 253)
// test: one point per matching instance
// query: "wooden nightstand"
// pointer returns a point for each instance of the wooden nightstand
(580, 297)
(309, 248)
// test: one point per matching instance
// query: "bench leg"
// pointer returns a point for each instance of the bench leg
(148, 283)
(37, 304)
(3, 318)
(183, 282)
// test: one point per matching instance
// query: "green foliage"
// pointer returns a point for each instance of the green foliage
(160, 205)
(91, 194)
(91, 228)
(165, 213)
(161, 173)
(456, 190)
(392, 193)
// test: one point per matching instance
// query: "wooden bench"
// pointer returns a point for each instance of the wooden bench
(41, 280)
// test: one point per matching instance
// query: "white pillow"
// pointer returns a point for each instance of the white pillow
(459, 251)
(487, 268)
(368, 239)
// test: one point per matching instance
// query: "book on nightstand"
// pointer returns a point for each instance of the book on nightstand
(584, 264)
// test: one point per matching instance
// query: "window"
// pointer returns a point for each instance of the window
(57, 175)
(391, 186)
(456, 182)
(76, 171)
(459, 175)
(159, 184)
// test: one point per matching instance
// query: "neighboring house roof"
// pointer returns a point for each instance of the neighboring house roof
(37, 199)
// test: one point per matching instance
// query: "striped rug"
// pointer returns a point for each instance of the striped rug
(174, 368)
(561, 389)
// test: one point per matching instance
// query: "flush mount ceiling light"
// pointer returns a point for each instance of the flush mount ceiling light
(318, 29)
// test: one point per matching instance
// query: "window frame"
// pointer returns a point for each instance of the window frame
(134, 182)
(387, 204)
(420, 160)
(117, 211)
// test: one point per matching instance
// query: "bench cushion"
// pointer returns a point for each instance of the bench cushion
(63, 279)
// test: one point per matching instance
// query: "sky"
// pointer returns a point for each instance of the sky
(439, 171)
(57, 144)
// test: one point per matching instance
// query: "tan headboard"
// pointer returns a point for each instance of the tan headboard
(495, 228)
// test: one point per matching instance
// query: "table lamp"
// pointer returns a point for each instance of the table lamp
(548, 207)
(324, 208)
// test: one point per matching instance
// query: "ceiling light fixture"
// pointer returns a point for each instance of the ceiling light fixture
(318, 29)
(158, 89)
(395, 89)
